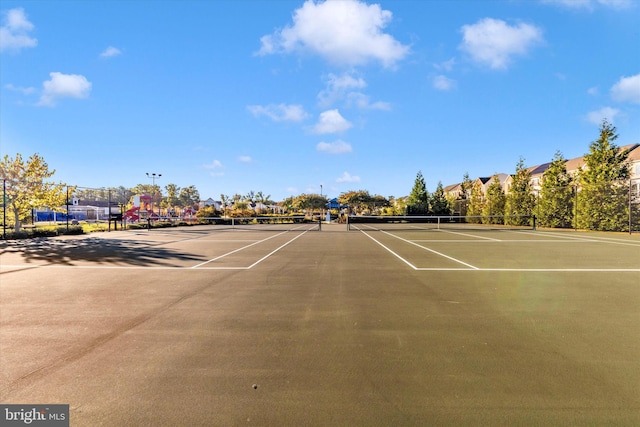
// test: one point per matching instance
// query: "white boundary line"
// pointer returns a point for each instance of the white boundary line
(10, 268)
(420, 246)
(398, 256)
(431, 250)
(275, 250)
(470, 235)
(237, 250)
(594, 239)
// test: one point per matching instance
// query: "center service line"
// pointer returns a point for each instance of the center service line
(398, 256)
(275, 250)
(237, 250)
(431, 250)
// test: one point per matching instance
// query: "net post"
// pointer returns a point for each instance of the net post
(320, 224)
(348, 224)
(534, 222)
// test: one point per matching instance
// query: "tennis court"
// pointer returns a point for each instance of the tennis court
(297, 325)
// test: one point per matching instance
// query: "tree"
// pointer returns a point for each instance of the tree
(189, 197)
(357, 201)
(262, 200)
(603, 196)
(26, 188)
(465, 194)
(311, 202)
(171, 200)
(439, 202)
(493, 211)
(225, 203)
(378, 203)
(520, 202)
(555, 207)
(418, 201)
(477, 201)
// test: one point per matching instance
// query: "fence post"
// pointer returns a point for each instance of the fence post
(4, 209)
(67, 209)
(575, 208)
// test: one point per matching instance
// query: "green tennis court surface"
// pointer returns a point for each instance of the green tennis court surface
(249, 326)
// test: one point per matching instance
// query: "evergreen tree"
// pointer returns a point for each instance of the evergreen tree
(556, 196)
(476, 203)
(603, 195)
(520, 201)
(418, 201)
(493, 211)
(439, 203)
(465, 195)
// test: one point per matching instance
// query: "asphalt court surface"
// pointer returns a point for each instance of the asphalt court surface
(508, 250)
(244, 248)
(209, 326)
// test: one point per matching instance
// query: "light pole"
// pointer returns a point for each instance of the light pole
(322, 210)
(153, 176)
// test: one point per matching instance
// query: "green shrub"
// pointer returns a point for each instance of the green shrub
(73, 230)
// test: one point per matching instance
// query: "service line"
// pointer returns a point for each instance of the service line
(237, 250)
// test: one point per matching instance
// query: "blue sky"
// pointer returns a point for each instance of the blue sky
(285, 96)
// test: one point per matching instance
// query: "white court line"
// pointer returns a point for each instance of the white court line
(276, 250)
(420, 246)
(237, 250)
(469, 235)
(542, 270)
(500, 241)
(138, 267)
(398, 256)
(430, 250)
(596, 239)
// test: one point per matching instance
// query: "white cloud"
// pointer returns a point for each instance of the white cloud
(23, 90)
(590, 4)
(344, 88)
(336, 147)
(494, 43)
(347, 32)
(14, 33)
(627, 89)
(347, 177)
(441, 82)
(593, 91)
(362, 101)
(446, 65)
(338, 86)
(110, 52)
(64, 86)
(597, 116)
(280, 112)
(245, 159)
(215, 168)
(331, 122)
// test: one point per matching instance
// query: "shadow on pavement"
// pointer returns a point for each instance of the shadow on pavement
(100, 251)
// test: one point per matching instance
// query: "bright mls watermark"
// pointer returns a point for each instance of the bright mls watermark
(34, 415)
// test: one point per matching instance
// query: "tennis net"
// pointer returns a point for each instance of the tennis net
(417, 223)
(266, 223)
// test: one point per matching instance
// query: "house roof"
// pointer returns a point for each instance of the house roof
(539, 170)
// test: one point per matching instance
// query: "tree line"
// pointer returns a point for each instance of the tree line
(596, 198)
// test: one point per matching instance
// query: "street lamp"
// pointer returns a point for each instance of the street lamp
(153, 176)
